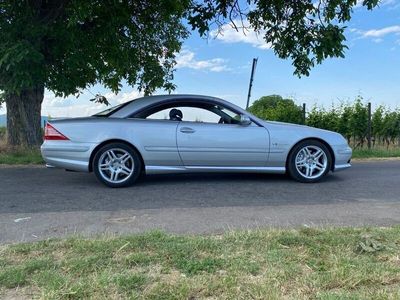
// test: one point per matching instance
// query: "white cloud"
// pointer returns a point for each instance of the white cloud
(228, 34)
(382, 3)
(390, 3)
(123, 97)
(378, 33)
(71, 107)
(378, 40)
(186, 59)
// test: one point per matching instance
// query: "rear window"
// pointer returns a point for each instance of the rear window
(109, 111)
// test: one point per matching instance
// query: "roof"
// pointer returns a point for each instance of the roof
(140, 103)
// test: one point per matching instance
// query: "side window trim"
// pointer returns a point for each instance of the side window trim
(152, 109)
(181, 101)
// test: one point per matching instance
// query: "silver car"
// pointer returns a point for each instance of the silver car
(189, 133)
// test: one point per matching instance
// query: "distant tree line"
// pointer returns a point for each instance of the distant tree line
(349, 119)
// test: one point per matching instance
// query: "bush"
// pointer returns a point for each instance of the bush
(276, 108)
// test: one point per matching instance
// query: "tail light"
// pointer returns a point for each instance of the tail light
(52, 134)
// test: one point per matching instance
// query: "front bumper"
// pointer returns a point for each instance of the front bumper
(341, 167)
(342, 157)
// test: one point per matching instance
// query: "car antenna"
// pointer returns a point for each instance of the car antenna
(253, 70)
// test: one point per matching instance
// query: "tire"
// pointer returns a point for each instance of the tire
(309, 161)
(117, 165)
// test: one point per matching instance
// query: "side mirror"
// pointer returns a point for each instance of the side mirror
(244, 120)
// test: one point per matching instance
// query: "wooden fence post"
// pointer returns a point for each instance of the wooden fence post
(369, 125)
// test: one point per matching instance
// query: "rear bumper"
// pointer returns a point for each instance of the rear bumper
(67, 155)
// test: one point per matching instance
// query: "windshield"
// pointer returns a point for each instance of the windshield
(111, 110)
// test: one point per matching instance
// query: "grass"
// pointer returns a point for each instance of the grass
(376, 153)
(307, 263)
(17, 156)
(20, 156)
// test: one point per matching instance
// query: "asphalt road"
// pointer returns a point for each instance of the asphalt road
(37, 203)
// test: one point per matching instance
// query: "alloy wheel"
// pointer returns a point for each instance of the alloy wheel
(311, 162)
(116, 165)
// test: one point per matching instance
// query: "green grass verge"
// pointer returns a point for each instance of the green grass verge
(20, 156)
(308, 263)
(376, 153)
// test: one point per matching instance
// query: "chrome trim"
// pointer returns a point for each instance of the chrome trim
(346, 150)
(68, 148)
(164, 169)
(225, 150)
(160, 149)
(49, 166)
(341, 167)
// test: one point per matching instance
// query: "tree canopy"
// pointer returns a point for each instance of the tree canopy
(66, 46)
(305, 31)
(276, 108)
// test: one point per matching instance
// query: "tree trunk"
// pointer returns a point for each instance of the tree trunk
(24, 117)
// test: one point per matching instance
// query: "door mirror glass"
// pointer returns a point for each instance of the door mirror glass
(244, 120)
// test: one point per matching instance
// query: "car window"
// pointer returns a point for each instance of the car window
(189, 114)
(233, 115)
(109, 111)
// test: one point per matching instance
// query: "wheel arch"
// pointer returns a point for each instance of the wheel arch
(99, 146)
(313, 139)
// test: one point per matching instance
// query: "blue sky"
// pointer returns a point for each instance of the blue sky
(221, 66)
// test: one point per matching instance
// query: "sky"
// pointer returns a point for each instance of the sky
(221, 65)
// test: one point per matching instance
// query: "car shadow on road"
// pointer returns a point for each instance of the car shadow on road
(209, 178)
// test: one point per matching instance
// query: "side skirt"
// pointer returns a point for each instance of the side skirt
(206, 169)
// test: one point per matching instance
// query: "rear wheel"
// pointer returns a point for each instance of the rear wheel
(117, 165)
(309, 161)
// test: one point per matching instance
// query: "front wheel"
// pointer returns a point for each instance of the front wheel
(117, 165)
(309, 161)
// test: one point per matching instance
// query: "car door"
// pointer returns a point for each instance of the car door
(158, 141)
(222, 145)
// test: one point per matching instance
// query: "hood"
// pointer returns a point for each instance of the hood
(307, 131)
(287, 124)
(298, 126)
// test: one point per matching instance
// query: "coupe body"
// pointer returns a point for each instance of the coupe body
(189, 133)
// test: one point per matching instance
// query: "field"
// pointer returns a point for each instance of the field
(308, 263)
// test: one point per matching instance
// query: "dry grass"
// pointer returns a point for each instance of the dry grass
(17, 155)
(308, 263)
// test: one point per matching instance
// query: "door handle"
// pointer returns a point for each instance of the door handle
(187, 130)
